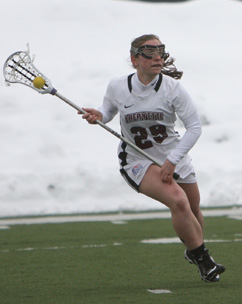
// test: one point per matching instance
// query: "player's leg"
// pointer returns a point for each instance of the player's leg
(193, 196)
(185, 223)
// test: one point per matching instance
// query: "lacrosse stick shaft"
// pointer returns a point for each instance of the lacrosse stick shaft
(100, 123)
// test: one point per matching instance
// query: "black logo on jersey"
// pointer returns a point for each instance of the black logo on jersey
(126, 107)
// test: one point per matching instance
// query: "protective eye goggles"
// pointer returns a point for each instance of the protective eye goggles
(150, 51)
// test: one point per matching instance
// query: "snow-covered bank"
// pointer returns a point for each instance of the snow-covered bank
(53, 162)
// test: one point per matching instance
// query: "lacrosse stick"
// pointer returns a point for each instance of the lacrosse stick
(19, 68)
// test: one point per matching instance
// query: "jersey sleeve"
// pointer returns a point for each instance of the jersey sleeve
(182, 102)
(108, 108)
(185, 109)
(193, 132)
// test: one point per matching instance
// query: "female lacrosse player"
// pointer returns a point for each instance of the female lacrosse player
(148, 102)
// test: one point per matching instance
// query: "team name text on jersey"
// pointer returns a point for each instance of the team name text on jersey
(139, 116)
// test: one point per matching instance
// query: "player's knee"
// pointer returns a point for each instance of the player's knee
(181, 205)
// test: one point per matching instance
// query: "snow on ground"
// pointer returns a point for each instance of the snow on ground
(53, 162)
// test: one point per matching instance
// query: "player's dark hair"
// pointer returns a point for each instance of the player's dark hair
(168, 68)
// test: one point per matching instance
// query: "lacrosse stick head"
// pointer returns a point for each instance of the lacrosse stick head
(19, 68)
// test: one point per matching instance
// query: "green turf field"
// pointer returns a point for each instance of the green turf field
(104, 262)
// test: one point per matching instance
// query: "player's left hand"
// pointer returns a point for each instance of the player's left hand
(167, 171)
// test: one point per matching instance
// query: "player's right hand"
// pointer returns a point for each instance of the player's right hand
(92, 115)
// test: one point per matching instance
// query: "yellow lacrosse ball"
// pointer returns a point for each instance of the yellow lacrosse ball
(38, 82)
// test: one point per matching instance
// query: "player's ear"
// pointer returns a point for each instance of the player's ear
(134, 60)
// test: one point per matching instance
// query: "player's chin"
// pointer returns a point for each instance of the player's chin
(156, 69)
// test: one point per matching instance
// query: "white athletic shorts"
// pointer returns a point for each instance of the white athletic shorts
(134, 172)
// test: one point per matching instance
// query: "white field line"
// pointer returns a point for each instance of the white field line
(54, 248)
(176, 240)
(159, 291)
(158, 241)
(235, 212)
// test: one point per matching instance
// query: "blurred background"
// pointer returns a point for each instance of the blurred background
(53, 162)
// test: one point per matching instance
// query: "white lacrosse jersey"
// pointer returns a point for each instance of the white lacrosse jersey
(147, 117)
